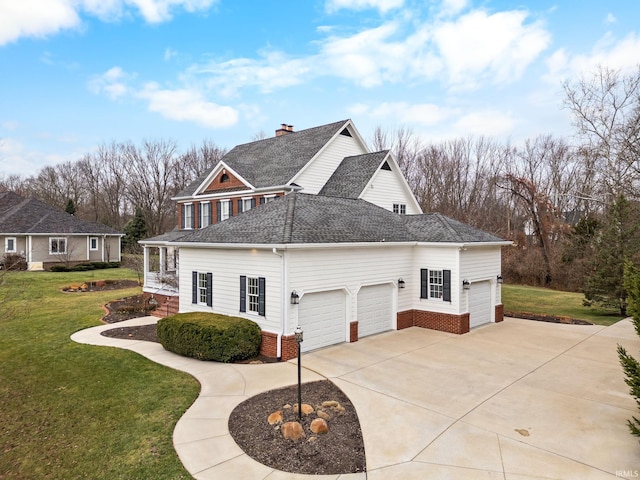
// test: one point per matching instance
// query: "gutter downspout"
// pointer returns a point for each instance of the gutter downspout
(283, 304)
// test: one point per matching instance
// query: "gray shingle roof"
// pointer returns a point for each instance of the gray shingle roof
(19, 215)
(301, 218)
(352, 175)
(274, 161)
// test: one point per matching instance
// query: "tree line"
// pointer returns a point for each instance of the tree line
(569, 204)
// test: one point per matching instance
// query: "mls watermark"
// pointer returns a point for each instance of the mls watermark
(627, 473)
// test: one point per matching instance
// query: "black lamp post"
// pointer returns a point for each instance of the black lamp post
(299, 337)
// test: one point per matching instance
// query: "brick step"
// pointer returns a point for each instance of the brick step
(167, 308)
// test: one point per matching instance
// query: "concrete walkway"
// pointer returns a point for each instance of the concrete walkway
(517, 400)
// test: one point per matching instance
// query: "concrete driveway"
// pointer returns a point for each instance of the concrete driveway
(515, 400)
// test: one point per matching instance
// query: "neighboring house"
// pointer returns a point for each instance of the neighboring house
(339, 246)
(46, 236)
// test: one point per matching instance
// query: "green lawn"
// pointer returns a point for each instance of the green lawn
(519, 298)
(79, 411)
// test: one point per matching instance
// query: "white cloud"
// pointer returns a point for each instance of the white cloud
(381, 5)
(35, 18)
(169, 53)
(497, 48)
(39, 18)
(187, 105)
(18, 160)
(112, 83)
(622, 55)
(610, 19)
(403, 112)
(451, 7)
(488, 122)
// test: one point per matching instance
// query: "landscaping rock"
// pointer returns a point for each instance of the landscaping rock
(275, 417)
(292, 431)
(319, 426)
(306, 409)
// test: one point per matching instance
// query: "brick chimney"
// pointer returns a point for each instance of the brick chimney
(284, 129)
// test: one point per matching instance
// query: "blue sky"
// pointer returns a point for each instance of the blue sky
(75, 74)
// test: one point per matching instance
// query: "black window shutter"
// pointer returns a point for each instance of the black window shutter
(261, 295)
(446, 285)
(210, 215)
(218, 212)
(261, 200)
(243, 293)
(239, 205)
(182, 220)
(253, 203)
(194, 287)
(209, 289)
(424, 283)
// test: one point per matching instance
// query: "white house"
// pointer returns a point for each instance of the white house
(342, 249)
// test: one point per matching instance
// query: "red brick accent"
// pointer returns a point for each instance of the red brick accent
(353, 332)
(216, 184)
(499, 312)
(444, 322)
(289, 348)
(269, 344)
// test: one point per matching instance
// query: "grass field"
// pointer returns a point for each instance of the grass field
(78, 411)
(519, 298)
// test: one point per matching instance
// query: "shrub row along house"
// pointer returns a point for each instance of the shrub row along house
(46, 236)
(310, 229)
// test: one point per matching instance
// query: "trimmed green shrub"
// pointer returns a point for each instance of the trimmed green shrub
(210, 336)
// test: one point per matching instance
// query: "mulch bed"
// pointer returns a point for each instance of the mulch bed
(547, 318)
(339, 451)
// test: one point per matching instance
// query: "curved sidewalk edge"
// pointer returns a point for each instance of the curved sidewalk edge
(201, 437)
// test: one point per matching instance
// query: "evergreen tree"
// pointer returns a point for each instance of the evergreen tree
(630, 365)
(604, 285)
(134, 230)
(70, 207)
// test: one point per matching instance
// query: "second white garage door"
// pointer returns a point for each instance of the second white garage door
(322, 318)
(375, 313)
(479, 303)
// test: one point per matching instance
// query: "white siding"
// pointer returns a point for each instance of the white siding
(437, 258)
(227, 266)
(313, 177)
(482, 263)
(387, 188)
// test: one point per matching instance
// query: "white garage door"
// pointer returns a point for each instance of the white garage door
(374, 310)
(322, 318)
(479, 303)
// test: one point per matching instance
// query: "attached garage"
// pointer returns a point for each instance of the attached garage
(375, 312)
(479, 303)
(322, 318)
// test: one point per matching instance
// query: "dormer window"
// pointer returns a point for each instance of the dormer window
(224, 178)
(400, 208)
(385, 166)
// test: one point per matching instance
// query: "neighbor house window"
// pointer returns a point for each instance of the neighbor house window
(225, 209)
(252, 294)
(93, 243)
(205, 214)
(400, 208)
(10, 244)
(267, 199)
(435, 284)
(202, 288)
(57, 245)
(246, 204)
(188, 217)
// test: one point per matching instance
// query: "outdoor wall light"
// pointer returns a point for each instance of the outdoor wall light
(153, 301)
(499, 278)
(400, 283)
(465, 284)
(295, 298)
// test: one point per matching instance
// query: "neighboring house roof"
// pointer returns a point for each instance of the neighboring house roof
(300, 218)
(274, 161)
(19, 215)
(353, 174)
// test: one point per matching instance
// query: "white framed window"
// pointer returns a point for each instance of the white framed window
(225, 209)
(188, 220)
(253, 291)
(269, 198)
(400, 208)
(205, 214)
(247, 203)
(435, 284)
(10, 245)
(202, 288)
(93, 243)
(57, 245)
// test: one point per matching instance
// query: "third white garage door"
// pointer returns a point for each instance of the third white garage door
(479, 303)
(375, 313)
(322, 318)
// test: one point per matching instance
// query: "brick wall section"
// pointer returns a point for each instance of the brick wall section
(289, 347)
(353, 332)
(499, 312)
(216, 184)
(443, 322)
(269, 344)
